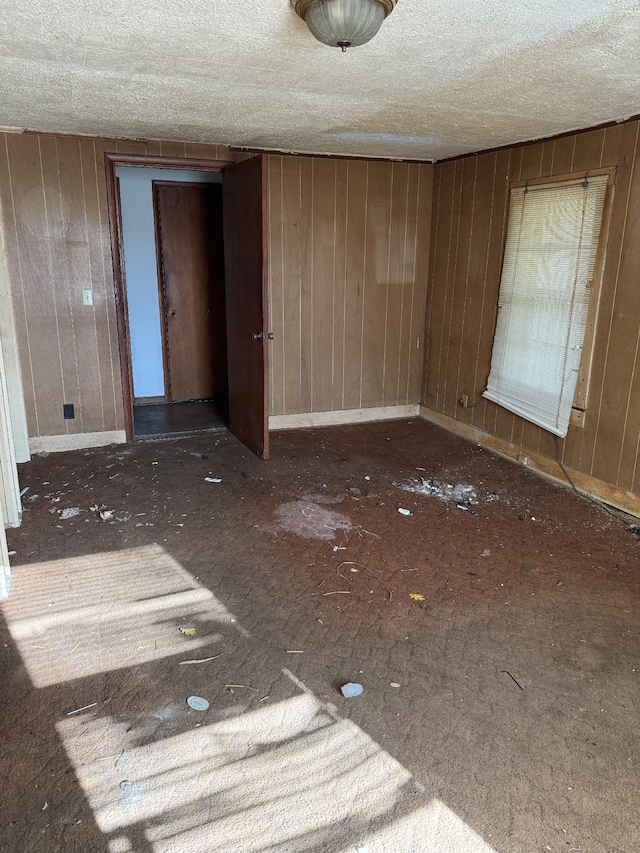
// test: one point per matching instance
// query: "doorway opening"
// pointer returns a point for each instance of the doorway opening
(189, 252)
(173, 252)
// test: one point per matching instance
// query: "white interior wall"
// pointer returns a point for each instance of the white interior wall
(141, 274)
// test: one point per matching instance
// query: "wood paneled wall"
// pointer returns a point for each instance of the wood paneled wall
(468, 230)
(348, 264)
(53, 198)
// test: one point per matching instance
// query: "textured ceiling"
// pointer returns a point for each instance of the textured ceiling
(439, 79)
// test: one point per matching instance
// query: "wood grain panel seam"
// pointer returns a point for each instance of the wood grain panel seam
(515, 421)
(604, 136)
(364, 276)
(108, 283)
(91, 282)
(635, 461)
(466, 282)
(446, 283)
(344, 295)
(69, 302)
(413, 286)
(51, 278)
(613, 298)
(484, 280)
(431, 283)
(404, 272)
(386, 304)
(22, 293)
(300, 251)
(311, 280)
(333, 283)
(284, 328)
(626, 419)
(505, 214)
(453, 289)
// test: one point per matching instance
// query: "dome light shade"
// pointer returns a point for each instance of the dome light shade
(344, 23)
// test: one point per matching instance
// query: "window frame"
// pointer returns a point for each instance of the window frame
(581, 396)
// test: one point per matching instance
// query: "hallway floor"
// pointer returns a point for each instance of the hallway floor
(494, 628)
(192, 416)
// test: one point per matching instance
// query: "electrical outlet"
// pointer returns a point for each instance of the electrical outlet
(68, 412)
(463, 402)
(87, 297)
(523, 459)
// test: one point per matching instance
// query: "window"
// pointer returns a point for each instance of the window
(546, 304)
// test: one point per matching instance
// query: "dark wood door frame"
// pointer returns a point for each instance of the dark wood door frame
(115, 225)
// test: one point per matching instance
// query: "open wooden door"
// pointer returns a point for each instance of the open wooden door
(245, 253)
(191, 269)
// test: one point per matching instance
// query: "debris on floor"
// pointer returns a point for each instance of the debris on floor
(351, 689)
(69, 512)
(197, 703)
(308, 520)
(460, 493)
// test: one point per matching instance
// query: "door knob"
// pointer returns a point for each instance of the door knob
(259, 336)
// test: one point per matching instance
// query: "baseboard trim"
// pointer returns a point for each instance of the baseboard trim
(343, 416)
(590, 486)
(75, 441)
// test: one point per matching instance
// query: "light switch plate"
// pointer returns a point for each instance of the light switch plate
(87, 297)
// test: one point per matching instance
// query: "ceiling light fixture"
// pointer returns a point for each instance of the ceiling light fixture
(344, 23)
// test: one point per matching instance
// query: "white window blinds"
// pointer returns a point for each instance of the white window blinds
(550, 253)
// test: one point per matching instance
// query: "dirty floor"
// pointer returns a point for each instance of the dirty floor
(494, 629)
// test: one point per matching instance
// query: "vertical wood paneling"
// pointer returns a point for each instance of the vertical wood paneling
(77, 264)
(443, 224)
(292, 282)
(173, 149)
(341, 190)
(395, 295)
(275, 260)
(57, 241)
(376, 283)
(623, 337)
(100, 282)
(619, 142)
(36, 234)
(459, 286)
(609, 445)
(420, 230)
(323, 265)
(307, 239)
(106, 319)
(481, 222)
(351, 241)
(484, 412)
(417, 242)
(356, 249)
(16, 278)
